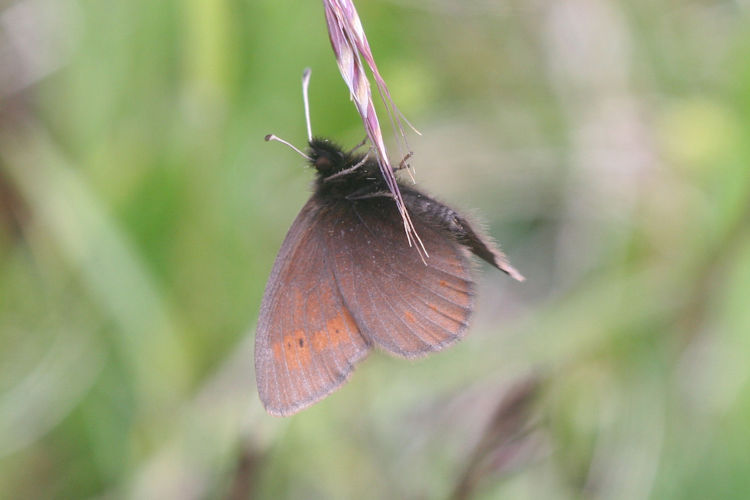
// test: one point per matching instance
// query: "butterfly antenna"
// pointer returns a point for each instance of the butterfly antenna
(271, 137)
(305, 98)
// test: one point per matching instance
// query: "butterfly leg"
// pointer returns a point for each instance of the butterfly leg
(364, 196)
(349, 170)
(364, 141)
(402, 164)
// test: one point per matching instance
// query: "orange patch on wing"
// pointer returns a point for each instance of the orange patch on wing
(409, 317)
(338, 330)
(447, 314)
(296, 350)
(319, 340)
(277, 355)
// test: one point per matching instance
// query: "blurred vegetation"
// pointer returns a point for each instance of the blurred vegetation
(605, 143)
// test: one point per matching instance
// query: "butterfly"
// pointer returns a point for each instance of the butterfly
(347, 279)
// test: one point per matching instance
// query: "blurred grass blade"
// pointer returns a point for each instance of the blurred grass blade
(51, 389)
(92, 243)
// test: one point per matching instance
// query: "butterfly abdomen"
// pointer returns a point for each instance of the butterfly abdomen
(460, 229)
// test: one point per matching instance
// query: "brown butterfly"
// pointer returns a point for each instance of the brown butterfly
(346, 279)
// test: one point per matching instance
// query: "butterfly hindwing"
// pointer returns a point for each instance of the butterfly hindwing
(404, 305)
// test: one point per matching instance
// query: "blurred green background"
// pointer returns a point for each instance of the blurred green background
(605, 143)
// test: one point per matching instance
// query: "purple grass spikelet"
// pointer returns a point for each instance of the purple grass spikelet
(350, 46)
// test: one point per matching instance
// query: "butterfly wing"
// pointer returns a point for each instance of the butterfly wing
(404, 305)
(307, 342)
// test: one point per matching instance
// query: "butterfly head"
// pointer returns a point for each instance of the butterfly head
(327, 158)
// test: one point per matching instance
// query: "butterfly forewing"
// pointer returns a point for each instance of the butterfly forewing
(405, 306)
(307, 340)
